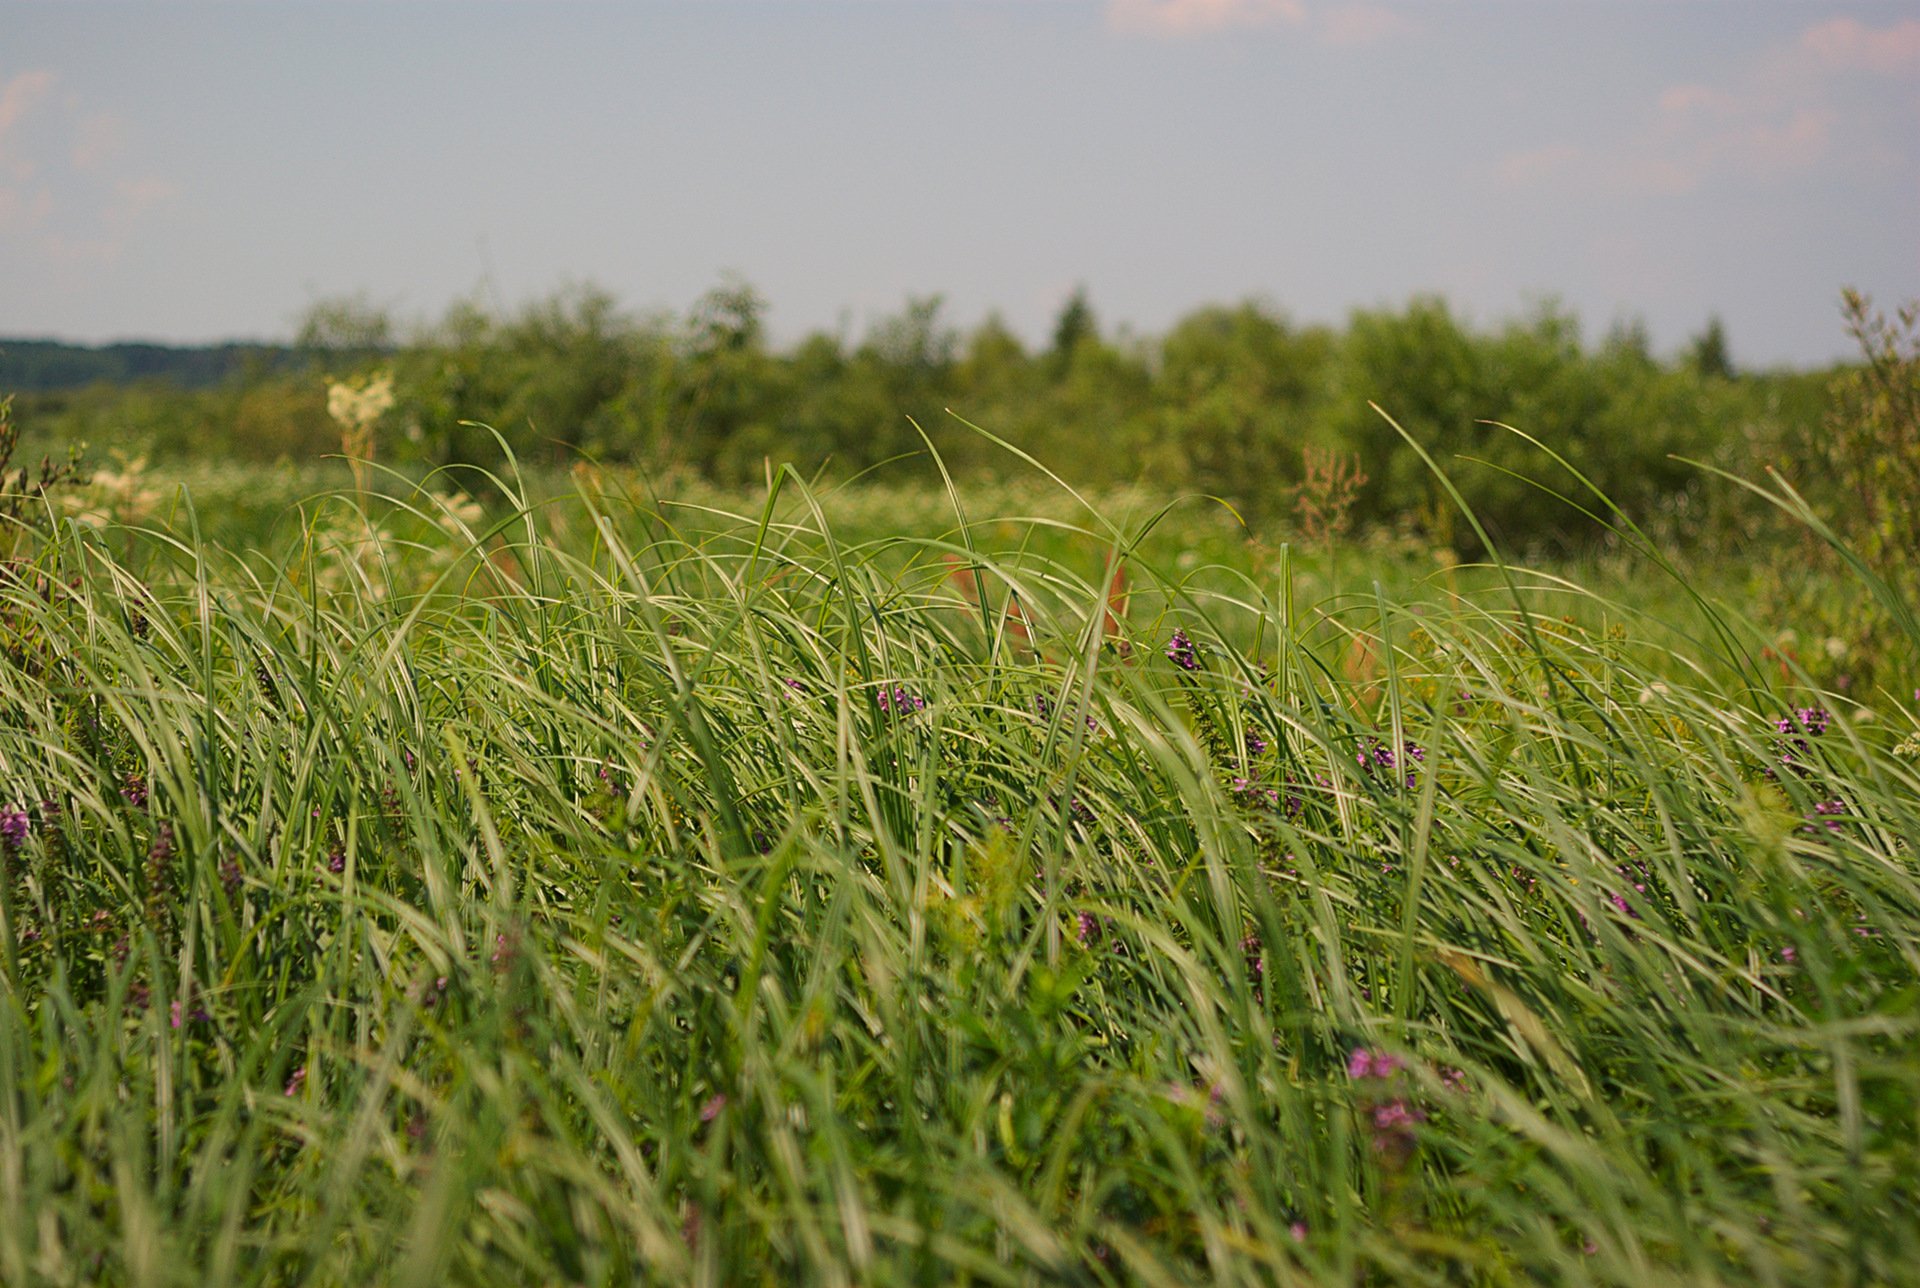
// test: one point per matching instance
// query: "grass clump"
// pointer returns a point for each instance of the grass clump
(597, 895)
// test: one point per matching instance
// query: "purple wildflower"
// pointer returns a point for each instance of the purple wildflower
(1253, 795)
(1374, 754)
(13, 829)
(1395, 1113)
(1393, 1122)
(1812, 719)
(1181, 651)
(899, 701)
(1372, 1062)
(297, 1081)
(1086, 928)
(711, 1110)
(1826, 814)
(135, 791)
(1256, 745)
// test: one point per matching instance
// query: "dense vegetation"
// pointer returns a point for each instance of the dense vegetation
(35, 366)
(1235, 401)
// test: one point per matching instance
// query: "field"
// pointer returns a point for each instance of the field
(854, 885)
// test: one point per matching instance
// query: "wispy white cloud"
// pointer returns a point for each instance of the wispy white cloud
(1847, 44)
(1778, 116)
(18, 94)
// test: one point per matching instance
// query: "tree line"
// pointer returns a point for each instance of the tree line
(1235, 400)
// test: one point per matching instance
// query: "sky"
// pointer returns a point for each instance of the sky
(189, 172)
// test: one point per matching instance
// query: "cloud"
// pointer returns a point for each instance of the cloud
(19, 95)
(1790, 108)
(1696, 140)
(1800, 140)
(1847, 44)
(1199, 17)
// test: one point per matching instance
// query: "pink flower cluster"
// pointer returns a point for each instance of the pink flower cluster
(898, 701)
(1390, 1117)
(1373, 1063)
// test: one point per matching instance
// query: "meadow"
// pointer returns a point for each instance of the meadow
(600, 884)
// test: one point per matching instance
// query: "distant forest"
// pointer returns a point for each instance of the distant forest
(1235, 400)
(35, 366)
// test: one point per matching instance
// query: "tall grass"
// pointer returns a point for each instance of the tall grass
(591, 896)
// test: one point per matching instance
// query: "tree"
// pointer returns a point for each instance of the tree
(1075, 324)
(346, 331)
(726, 379)
(730, 317)
(1708, 355)
(1235, 386)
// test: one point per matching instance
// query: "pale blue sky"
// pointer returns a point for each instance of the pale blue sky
(190, 171)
